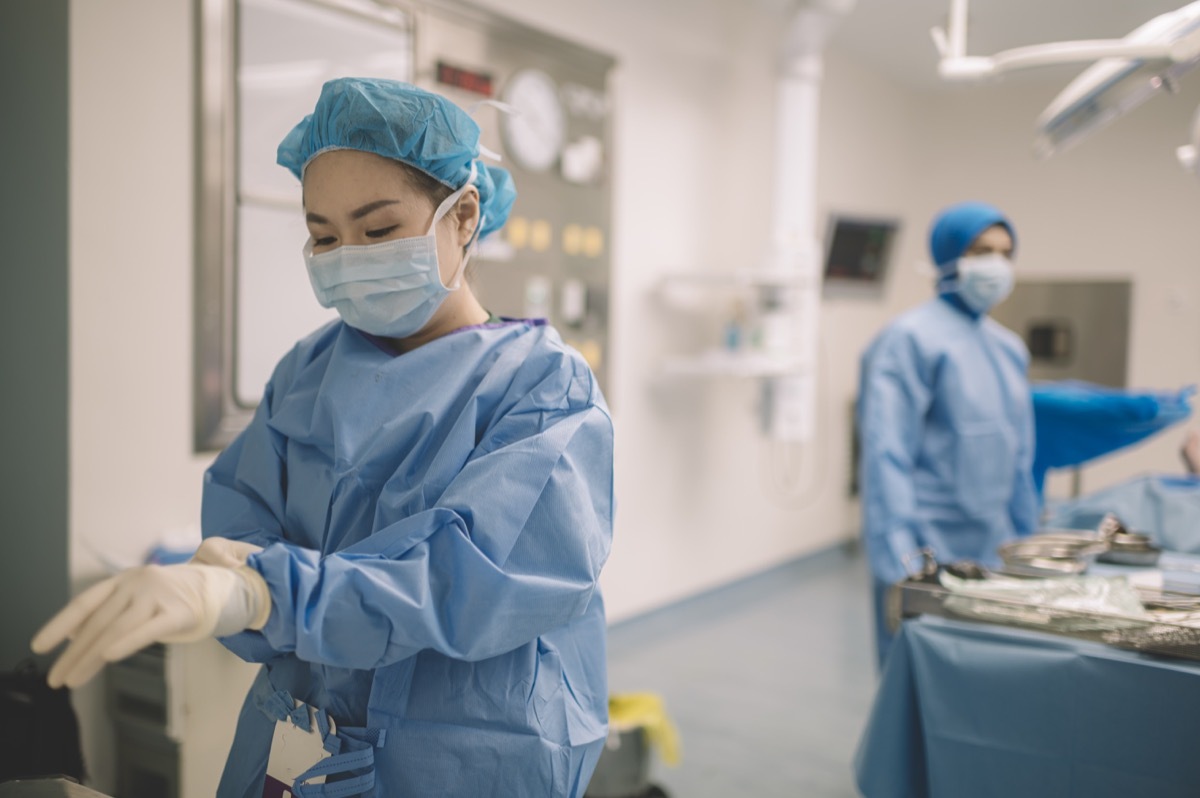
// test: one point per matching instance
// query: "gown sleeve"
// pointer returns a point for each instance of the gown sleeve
(893, 402)
(244, 487)
(512, 548)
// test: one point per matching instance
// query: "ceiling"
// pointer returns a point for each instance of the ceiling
(893, 35)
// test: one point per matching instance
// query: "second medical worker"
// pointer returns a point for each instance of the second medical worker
(410, 531)
(945, 415)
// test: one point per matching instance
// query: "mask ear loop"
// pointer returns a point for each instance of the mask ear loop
(468, 251)
(942, 282)
(442, 210)
(492, 155)
(926, 269)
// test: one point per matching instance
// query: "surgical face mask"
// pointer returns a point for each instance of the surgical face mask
(390, 289)
(984, 281)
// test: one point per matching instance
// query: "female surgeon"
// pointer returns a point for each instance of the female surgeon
(409, 533)
(945, 416)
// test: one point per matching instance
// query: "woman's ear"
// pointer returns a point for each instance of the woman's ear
(465, 216)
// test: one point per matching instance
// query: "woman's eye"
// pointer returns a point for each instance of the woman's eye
(323, 242)
(382, 232)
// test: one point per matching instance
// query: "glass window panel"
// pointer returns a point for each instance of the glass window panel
(286, 50)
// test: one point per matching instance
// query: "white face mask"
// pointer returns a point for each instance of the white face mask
(984, 281)
(390, 289)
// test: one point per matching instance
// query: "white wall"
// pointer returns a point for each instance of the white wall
(133, 473)
(693, 127)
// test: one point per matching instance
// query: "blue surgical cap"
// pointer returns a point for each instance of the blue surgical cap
(410, 125)
(957, 227)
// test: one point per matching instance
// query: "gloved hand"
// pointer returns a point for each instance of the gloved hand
(224, 552)
(153, 603)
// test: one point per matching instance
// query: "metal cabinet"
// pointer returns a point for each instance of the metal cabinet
(138, 701)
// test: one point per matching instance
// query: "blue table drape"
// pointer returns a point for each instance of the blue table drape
(967, 709)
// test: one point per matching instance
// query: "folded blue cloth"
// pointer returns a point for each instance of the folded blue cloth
(1076, 422)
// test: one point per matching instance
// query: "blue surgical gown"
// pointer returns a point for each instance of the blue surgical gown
(434, 525)
(946, 430)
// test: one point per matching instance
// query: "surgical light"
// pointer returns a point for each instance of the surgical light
(1112, 87)
(1126, 72)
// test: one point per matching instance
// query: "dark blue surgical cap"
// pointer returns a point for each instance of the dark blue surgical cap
(411, 125)
(957, 227)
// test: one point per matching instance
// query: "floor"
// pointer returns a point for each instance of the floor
(769, 680)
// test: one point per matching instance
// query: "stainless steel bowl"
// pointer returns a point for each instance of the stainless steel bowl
(1131, 548)
(1051, 554)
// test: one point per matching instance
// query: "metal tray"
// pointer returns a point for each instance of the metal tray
(1169, 633)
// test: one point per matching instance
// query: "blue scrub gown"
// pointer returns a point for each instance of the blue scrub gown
(946, 428)
(434, 525)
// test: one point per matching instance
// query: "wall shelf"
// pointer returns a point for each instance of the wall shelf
(721, 363)
(742, 278)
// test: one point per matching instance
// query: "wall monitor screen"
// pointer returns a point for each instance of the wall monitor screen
(857, 250)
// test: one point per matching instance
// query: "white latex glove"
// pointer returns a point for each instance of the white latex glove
(153, 603)
(224, 552)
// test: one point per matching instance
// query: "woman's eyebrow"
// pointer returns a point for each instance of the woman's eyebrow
(357, 213)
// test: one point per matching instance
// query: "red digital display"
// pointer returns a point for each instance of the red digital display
(465, 79)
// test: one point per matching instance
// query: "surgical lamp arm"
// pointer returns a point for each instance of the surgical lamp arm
(1041, 55)
(955, 64)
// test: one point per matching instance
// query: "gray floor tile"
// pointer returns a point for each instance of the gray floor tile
(769, 680)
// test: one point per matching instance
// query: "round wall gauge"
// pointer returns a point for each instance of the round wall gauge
(533, 137)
